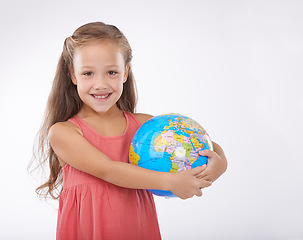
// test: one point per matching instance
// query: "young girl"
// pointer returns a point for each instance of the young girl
(89, 124)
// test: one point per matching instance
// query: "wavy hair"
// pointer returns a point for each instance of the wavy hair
(64, 101)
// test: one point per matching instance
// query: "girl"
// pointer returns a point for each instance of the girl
(89, 124)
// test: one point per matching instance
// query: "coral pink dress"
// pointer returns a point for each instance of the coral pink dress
(91, 209)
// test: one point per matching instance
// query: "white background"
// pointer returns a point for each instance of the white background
(234, 66)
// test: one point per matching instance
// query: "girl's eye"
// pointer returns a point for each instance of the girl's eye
(112, 73)
(88, 74)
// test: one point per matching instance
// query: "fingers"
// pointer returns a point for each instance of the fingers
(202, 175)
(203, 183)
(207, 153)
(199, 193)
(208, 183)
(198, 170)
(187, 183)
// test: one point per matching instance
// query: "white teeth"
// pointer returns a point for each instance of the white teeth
(105, 96)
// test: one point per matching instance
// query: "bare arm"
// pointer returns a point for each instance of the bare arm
(217, 163)
(70, 146)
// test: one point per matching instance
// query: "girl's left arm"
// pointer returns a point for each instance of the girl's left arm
(216, 165)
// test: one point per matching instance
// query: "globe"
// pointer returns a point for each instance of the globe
(169, 143)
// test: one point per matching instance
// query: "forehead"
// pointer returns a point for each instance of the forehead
(99, 52)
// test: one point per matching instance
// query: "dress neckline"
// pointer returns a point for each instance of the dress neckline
(102, 136)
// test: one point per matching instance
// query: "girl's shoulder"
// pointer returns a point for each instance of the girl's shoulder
(142, 117)
(64, 127)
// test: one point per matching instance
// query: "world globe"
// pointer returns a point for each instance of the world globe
(169, 143)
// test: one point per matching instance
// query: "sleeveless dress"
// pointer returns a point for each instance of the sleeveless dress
(91, 209)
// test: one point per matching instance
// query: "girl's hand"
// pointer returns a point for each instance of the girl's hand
(216, 165)
(185, 184)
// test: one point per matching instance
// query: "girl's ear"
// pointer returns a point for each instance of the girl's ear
(126, 73)
(72, 76)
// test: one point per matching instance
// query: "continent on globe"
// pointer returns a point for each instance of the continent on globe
(169, 143)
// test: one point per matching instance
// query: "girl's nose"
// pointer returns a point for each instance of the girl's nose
(100, 83)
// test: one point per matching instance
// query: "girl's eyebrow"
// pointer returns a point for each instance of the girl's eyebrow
(86, 67)
(111, 65)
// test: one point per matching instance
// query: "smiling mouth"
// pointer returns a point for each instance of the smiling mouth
(101, 96)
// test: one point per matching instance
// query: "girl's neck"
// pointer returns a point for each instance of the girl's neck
(113, 112)
(111, 123)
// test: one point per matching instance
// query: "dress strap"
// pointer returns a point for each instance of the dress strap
(133, 117)
(76, 120)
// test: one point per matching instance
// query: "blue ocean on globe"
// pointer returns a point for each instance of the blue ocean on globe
(169, 143)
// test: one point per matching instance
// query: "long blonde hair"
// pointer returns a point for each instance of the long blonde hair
(64, 102)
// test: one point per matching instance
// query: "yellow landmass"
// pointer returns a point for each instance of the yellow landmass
(192, 160)
(174, 168)
(188, 131)
(178, 138)
(188, 147)
(171, 124)
(133, 157)
(196, 143)
(160, 141)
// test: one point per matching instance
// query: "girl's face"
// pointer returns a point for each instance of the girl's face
(99, 74)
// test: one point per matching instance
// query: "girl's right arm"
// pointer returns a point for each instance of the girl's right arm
(72, 148)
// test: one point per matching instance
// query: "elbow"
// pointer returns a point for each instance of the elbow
(225, 166)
